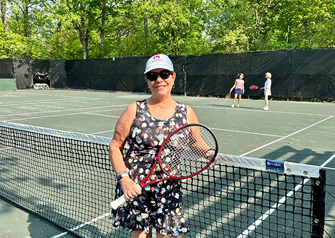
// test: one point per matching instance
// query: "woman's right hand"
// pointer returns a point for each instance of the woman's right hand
(129, 187)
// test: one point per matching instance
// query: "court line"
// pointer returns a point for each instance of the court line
(261, 111)
(101, 132)
(245, 132)
(69, 114)
(261, 147)
(66, 110)
(47, 101)
(31, 93)
(277, 205)
(89, 113)
(82, 225)
(102, 115)
(213, 128)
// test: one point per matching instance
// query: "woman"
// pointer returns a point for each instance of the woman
(267, 90)
(144, 125)
(239, 89)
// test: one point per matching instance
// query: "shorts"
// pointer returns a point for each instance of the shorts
(238, 91)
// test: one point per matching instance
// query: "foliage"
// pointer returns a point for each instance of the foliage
(77, 29)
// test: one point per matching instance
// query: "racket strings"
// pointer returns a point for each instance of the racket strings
(188, 151)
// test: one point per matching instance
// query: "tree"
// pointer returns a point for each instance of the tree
(269, 24)
(146, 28)
(80, 29)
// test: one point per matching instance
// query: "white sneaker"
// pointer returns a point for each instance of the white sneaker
(266, 108)
(238, 105)
(232, 105)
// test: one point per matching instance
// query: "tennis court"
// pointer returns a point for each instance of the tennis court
(299, 132)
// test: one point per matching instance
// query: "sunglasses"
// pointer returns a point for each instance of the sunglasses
(152, 76)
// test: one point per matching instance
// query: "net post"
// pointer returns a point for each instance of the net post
(319, 195)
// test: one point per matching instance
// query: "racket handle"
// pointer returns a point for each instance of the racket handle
(115, 204)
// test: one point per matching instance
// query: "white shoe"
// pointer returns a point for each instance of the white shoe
(238, 105)
(232, 105)
(266, 108)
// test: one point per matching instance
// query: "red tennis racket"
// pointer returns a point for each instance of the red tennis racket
(227, 97)
(253, 87)
(185, 153)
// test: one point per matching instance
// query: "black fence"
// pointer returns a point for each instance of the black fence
(295, 73)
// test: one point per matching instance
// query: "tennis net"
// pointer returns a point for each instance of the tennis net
(67, 178)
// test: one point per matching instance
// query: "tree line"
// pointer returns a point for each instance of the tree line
(81, 29)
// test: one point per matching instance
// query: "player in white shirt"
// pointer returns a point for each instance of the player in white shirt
(267, 90)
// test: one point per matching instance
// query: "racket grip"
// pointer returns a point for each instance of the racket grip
(115, 204)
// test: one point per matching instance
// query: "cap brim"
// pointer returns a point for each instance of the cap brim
(160, 66)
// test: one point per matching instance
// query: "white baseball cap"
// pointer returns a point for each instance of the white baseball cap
(159, 61)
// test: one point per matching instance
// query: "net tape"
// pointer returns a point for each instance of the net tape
(67, 178)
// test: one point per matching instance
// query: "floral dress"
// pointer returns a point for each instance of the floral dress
(159, 204)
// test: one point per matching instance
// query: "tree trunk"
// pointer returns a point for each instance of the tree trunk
(83, 32)
(3, 14)
(5, 22)
(102, 31)
(25, 18)
(83, 39)
(146, 27)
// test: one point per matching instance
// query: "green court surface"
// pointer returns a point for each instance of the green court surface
(300, 132)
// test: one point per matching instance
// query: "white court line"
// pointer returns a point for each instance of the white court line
(102, 115)
(48, 101)
(277, 205)
(67, 110)
(81, 225)
(61, 115)
(245, 132)
(101, 132)
(261, 111)
(286, 136)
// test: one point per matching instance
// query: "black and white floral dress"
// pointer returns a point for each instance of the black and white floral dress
(160, 204)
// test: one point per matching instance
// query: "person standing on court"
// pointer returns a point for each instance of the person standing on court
(239, 89)
(267, 90)
(143, 126)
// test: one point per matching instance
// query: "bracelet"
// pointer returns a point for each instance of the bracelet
(122, 172)
(121, 176)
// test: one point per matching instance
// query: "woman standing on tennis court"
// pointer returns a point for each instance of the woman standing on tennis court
(239, 89)
(267, 90)
(143, 126)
